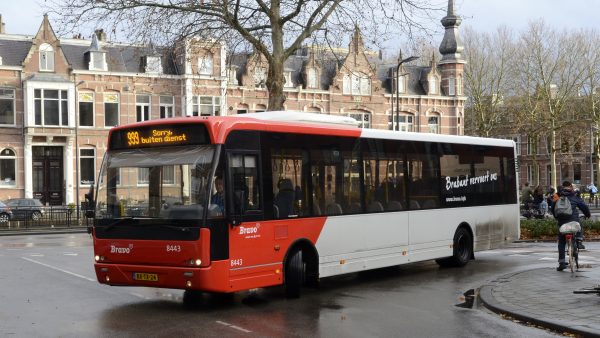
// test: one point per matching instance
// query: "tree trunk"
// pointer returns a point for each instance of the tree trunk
(553, 157)
(275, 83)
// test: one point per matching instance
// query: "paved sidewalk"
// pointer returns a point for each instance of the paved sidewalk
(545, 297)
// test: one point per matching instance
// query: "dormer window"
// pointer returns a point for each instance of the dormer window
(205, 64)
(232, 75)
(311, 78)
(260, 77)
(153, 65)
(46, 58)
(0, 60)
(97, 61)
(433, 85)
(288, 79)
(401, 84)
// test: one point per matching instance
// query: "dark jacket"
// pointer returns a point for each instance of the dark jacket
(576, 203)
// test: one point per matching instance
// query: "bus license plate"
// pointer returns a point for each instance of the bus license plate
(151, 277)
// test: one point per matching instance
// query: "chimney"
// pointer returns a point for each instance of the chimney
(100, 34)
(1, 25)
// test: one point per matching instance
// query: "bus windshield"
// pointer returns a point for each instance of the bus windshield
(168, 183)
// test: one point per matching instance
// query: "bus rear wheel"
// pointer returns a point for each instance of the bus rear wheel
(462, 250)
(294, 274)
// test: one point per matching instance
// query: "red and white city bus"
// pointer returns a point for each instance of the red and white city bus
(306, 196)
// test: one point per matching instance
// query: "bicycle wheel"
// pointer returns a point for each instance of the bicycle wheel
(570, 252)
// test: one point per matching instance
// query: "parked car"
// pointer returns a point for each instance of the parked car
(26, 208)
(6, 213)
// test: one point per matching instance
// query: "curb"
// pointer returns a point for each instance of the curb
(44, 231)
(485, 294)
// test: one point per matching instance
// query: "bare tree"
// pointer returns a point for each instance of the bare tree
(488, 80)
(551, 75)
(591, 93)
(274, 28)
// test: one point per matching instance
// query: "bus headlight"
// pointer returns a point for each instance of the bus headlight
(198, 262)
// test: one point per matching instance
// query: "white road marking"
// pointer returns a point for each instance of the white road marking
(139, 295)
(59, 269)
(233, 326)
(36, 255)
(70, 254)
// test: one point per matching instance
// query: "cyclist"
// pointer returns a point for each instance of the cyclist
(576, 203)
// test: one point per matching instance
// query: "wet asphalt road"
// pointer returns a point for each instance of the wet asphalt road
(49, 290)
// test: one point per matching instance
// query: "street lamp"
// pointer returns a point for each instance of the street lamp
(592, 130)
(400, 62)
(77, 178)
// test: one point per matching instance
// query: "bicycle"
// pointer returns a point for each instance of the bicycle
(569, 230)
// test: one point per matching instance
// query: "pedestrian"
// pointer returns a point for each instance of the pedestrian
(539, 201)
(576, 203)
(593, 191)
(526, 195)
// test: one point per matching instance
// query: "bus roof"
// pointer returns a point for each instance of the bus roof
(309, 123)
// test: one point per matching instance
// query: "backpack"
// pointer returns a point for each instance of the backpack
(562, 208)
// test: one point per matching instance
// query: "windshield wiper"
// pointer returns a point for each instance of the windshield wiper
(174, 227)
(117, 222)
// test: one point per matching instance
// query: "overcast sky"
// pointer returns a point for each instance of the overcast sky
(25, 16)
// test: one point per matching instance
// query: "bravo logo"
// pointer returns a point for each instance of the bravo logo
(250, 232)
(121, 250)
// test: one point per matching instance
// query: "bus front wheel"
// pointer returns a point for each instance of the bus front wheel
(462, 250)
(294, 274)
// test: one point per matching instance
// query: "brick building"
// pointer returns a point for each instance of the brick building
(59, 97)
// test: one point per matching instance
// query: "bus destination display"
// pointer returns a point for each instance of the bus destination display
(152, 136)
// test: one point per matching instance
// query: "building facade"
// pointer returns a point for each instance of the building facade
(59, 97)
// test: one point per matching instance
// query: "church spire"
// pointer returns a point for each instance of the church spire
(451, 46)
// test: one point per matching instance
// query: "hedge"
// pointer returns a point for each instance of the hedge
(548, 227)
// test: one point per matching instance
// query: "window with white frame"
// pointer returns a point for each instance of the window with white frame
(143, 175)
(46, 58)
(404, 122)
(311, 78)
(142, 107)
(434, 124)
(532, 172)
(205, 64)
(518, 143)
(532, 145)
(459, 85)
(347, 84)
(111, 109)
(166, 107)
(451, 86)
(7, 106)
(7, 168)
(288, 79)
(86, 109)
(260, 77)
(154, 65)
(168, 174)
(97, 61)
(87, 165)
(206, 105)
(364, 119)
(50, 107)
(232, 76)
(361, 84)
(433, 85)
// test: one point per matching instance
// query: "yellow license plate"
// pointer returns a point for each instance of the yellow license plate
(151, 277)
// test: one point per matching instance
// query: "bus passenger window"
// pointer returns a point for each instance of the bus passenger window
(245, 183)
